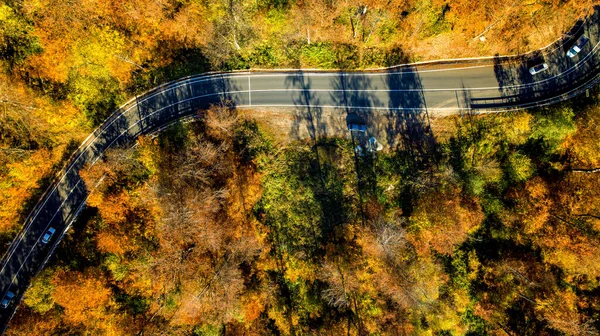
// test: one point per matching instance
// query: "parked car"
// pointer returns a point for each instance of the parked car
(578, 46)
(7, 299)
(48, 235)
(357, 127)
(536, 69)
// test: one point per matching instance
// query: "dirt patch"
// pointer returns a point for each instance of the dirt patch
(392, 129)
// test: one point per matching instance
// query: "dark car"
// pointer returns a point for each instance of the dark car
(7, 299)
(357, 127)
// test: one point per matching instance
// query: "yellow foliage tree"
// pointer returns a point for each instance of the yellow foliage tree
(84, 297)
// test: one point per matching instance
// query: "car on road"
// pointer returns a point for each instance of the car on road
(536, 69)
(48, 235)
(578, 46)
(7, 299)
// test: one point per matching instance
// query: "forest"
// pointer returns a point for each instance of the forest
(489, 225)
(216, 228)
(66, 65)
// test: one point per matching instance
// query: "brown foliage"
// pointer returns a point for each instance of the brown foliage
(26, 323)
(442, 226)
(533, 204)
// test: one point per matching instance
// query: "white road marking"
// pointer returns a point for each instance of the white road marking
(43, 232)
(376, 90)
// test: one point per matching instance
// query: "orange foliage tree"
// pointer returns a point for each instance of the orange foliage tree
(442, 226)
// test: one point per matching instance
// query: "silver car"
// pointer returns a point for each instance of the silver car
(7, 299)
(578, 46)
(48, 235)
(536, 69)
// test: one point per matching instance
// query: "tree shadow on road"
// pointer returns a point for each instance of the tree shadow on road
(408, 123)
(166, 106)
(309, 110)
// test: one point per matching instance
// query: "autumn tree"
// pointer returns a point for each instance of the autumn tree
(83, 296)
(39, 296)
(18, 41)
(442, 227)
(563, 312)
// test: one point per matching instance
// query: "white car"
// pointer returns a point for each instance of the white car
(48, 235)
(578, 46)
(536, 69)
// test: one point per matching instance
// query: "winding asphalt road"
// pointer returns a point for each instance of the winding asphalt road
(489, 84)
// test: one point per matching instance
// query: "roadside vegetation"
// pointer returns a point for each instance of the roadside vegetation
(214, 228)
(66, 65)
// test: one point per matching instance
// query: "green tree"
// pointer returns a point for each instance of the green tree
(16, 39)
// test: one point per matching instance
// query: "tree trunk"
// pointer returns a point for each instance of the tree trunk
(354, 32)
(588, 171)
(235, 42)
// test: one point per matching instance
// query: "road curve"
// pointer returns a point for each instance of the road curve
(492, 84)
